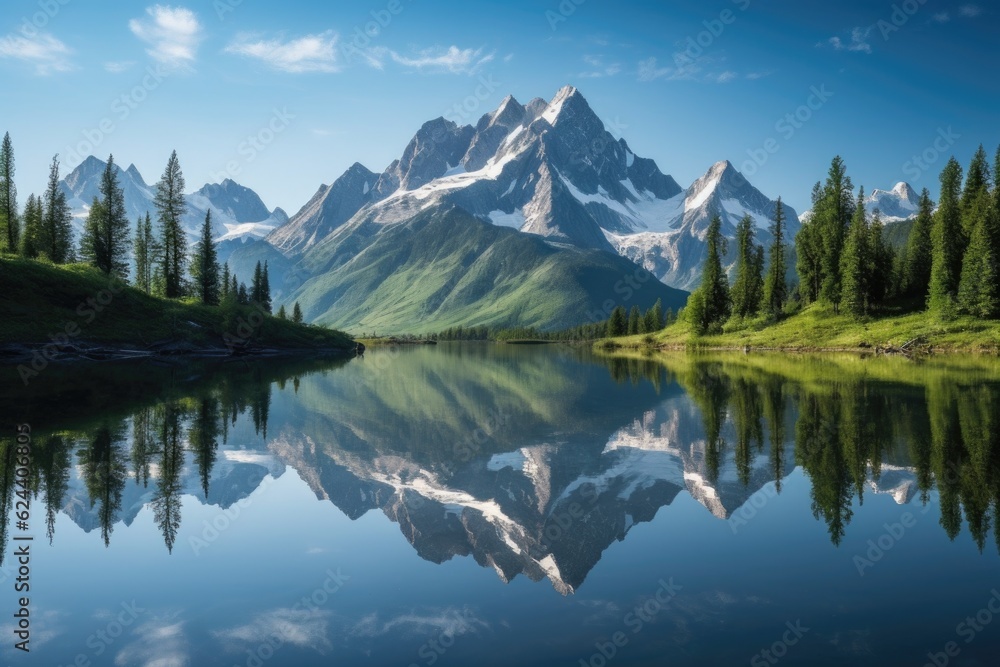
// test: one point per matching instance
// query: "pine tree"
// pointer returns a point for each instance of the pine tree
(297, 313)
(714, 306)
(114, 227)
(881, 263)
(56, 231)
(225, 287)
(979, 290)
(809, 252)
(634, 321)
(856, 261)
(748, 289)
(996, 180)
(244, 298)
(256, 284)
(10, 224)
(617, 325)
(775, 285)
(31, 236)
(170, 207)
(147, 251)
(946, 255)
(976, 180)
(917, 268)
(657, 318)
(833, 216)
(265, 289)
(92, 250)
(282, 315)
(205, 265)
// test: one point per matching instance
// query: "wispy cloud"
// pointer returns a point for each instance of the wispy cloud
(650, 70)
(970, 11)
(857, 42)
(119, 66)
(172, 33)
(599, 68)
(450, 621)
(706, 70)
(726, 77)
(301, 627)
(311, 53)
(942, 17)
(159, 642)
(43, 51)
(452, 60)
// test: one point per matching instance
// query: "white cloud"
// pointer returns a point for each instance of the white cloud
(173, 34)
(159, 642)
(453, 59)
(600, 68)
(942, 17)
(301, 627)
(858, 42)
(311, 53)
(46, 53)
(507, 58)
(449, 621)
(649, 70)
(725, 77)
(970, 11)
(117, 67)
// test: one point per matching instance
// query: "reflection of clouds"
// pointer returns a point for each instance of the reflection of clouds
(45, 627)
(302, 627)
(853, 642)
(159, 642)
(601, 611)
(450, 621)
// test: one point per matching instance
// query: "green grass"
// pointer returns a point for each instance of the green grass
(40, 300)
(817, 328)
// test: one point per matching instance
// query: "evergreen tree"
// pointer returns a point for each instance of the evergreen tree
(657, 318)
(996, 180)
(282, 315)
(882, 260)
(976, 180)
(809, 252)
(710, 302)
(856, 262)
(113, 227)
(205, 265)
(170, 207)
(634, 321)
(92, 250)
(146, 250)
(832, 216)
(244, 298)
(265, 289)
(56, 231)
(225, 286)
(10, 224)
(946, 254)
(257, 284)
(297, 313)
(775, 285)
(31, 236)
(748, 289)
(979, 289)
(617, 325)
(917, 268)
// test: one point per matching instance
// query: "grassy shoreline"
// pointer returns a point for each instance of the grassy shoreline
(818, 329)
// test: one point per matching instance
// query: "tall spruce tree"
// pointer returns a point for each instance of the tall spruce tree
(748, 288)
(297, 313)
(31, 235)
(714, 289)
(617, 324)
(205, 265)
(881, 263)
(979, 289)
(917, 269)
(92, 249)
(634, 321)
(56, 231)
(10, 223)
(147, 254)
(856, 262)
(977, 178)
(809, 252)
(256, 284)
(833, 217)
(775, 284)
(114, 225)
(170, 207)
(946, 255)
(265, 289)
(225, 287)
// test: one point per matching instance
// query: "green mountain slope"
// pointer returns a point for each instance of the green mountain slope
(447, 268)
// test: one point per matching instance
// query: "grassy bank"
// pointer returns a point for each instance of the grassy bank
(40, 303)
(818, 329)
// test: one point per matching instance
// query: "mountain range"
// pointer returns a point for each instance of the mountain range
(535, 216)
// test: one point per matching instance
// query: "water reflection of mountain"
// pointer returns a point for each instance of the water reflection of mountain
(532, 462)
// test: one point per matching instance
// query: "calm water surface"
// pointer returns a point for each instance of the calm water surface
(500, 505)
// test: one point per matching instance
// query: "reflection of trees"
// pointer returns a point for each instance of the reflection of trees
(7, 458)
(104, 473)
(53, 463)
(204, 438)
(167, 499)
(818, 450)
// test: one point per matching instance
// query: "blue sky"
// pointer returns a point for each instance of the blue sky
(686, 82)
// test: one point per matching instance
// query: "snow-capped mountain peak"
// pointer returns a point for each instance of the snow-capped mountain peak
(900, 203)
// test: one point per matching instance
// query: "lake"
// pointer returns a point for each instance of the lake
(480, 504)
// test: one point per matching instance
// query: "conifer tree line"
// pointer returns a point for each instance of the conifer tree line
(160, 262)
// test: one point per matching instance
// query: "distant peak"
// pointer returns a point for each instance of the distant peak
(567, 96)
(903, 189)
